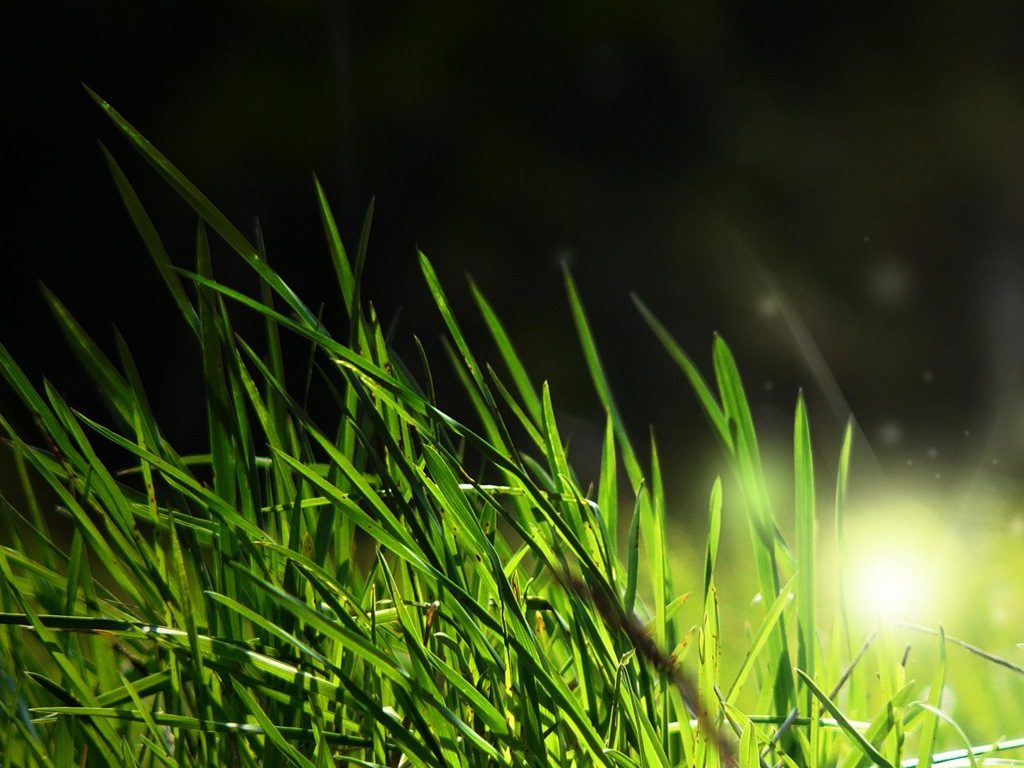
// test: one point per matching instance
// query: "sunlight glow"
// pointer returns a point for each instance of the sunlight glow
(889, 585)
(894, 568)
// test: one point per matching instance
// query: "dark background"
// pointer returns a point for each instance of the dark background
(863, 159)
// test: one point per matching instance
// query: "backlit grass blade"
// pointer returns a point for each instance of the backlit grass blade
(147, 231)
(269, 729)
(747, 465)
(202, 205)
(453, 326)
(608, 492)
(339, 257)
(600, 380)
(111, 383)
(929, 730)
(633, 554)
(712, 409)
(520, 377)
(522, 418)
(769, 626)
(709, 636)
(880, 728)
(868, 749)
(806, 543)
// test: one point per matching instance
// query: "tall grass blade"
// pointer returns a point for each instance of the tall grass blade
(202, 205)
(806, 544)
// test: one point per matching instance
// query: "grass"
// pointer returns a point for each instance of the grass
(395, 587)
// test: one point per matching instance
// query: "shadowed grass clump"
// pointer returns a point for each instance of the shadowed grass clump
(395, 587)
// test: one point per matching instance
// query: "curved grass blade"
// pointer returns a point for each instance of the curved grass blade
(147, 231)
(209, 213)
(870, 753)
(711, 407)
(512, 361)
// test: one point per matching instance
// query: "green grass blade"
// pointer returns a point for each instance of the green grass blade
(441, 300)
(633, 554)
(711, 407)
(608, 494)
(806, 543)
(600, 380)
(339, 257)
(210, 214)
(520, 377)
(858, 740)
(769, 626)
(930, 728)
(147, 231)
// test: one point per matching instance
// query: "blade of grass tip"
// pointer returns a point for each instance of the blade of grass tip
(930, 729)
(608, 500)
(765, 538)
(523, 419)
(143, 421)
(276, 406)
(245, 455)
(109, 381)
(508, 353)
(147, 231)
(745, 454)
(633, 554)
(361, 250)
(558, 465)
(806, 541)
(657, 549)
(600, 380)
(842, 478)
(339, 257)
(709, 637)
(219, 424)
(711, 407)
(441, 300)
(607, 493)
(484, 411)
(749, 756)
(202, 205)
(714, 534)
(767, 629)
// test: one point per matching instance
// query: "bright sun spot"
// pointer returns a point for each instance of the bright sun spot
(893, 570)
(889, 586)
